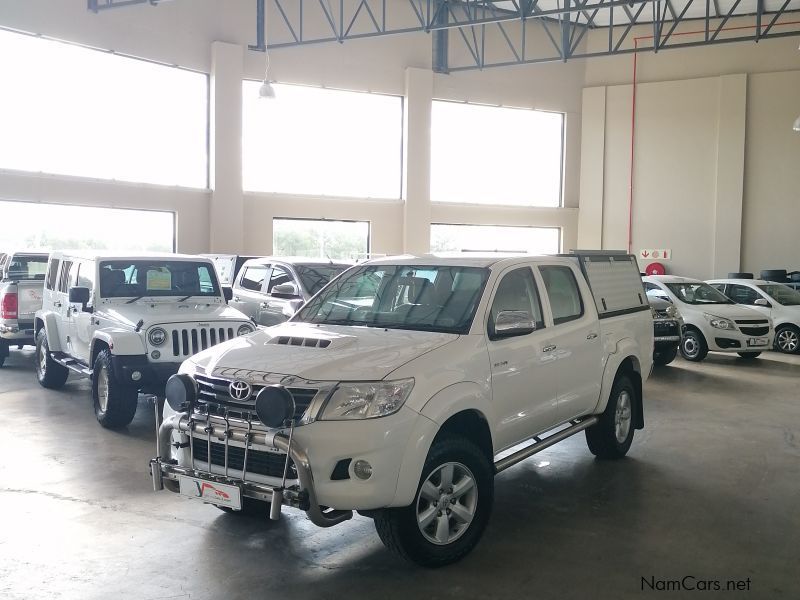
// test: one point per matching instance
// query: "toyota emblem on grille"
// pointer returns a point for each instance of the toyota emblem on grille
(239, 390)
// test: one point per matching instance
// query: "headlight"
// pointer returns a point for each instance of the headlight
(157, 336)
(366, 400)
(245, 329)
(719, 322)
(672, 312)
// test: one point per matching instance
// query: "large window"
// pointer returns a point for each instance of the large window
(491, 155)
(495, 238)
(348, 240)
(69, 110)
(59, 227)
(324, 142)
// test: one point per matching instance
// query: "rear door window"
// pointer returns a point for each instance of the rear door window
(253, 278)
(63, 280)
(562, 291)
(52, 274)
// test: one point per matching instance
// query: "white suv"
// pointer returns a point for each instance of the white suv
(712, 320)
(128, 322)
(775, 300)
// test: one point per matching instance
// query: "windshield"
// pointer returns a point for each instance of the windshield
(315, 277)
(698, 293)
(139, 278)
(26, 266)
(782, 294)
(423, 298)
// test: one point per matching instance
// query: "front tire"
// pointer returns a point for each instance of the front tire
(749, 355)
(665, 357)
(693, 346)
(114, 402)
(612, 436)
(450, 510)
(787, 339)
(50, 374)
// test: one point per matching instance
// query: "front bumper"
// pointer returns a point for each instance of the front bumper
(736, 341)
(152, 375)
(301, 495)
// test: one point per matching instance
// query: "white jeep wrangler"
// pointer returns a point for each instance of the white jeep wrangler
(402, 387)
(128, 322)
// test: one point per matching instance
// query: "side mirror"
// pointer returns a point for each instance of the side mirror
(291, 307)
(762, 302)
(510, 323)
(285, 290)
(79, 295)
(227, 293)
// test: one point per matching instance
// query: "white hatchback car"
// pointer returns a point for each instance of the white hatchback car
(713, 321)
(775, 300)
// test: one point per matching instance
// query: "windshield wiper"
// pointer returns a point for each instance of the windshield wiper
(132, 300)
(185, 298)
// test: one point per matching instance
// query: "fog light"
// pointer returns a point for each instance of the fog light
(136, 375)
(362, 469)
(155, 355)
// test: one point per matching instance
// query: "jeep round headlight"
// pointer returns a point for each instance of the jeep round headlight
(245, 329)
(157, 336)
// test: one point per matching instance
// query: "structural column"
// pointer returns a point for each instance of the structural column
(730, 174)
(226, 208)
(417, 161)
(593, 136)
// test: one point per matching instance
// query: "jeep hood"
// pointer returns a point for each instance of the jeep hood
(323, 352)
(164, 312)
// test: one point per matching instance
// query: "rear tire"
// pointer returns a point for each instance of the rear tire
(693, 346)
(114, 402)
(612, 436)
(749, 355)
(450, 510)
(787, 339)
(665, 357)
(50, 374)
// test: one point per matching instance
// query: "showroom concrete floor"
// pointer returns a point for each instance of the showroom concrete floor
(710, 489)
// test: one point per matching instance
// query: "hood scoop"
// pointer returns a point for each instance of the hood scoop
(307, 342)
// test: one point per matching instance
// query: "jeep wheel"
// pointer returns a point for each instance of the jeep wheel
(787, 339)
(749, 355)
(49, 373)
(665, 357)
(612, 436)
(450, 510)
(114, 402)
(693, 346)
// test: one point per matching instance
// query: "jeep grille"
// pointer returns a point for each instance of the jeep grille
(189, 341)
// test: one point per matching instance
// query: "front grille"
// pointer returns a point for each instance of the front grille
(751, 322)
(258, 461)
(755, 330)
(189, 341)
(213, 394)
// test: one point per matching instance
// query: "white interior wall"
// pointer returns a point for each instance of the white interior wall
(225, 218)
(715, 174)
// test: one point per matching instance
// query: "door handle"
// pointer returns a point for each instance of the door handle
(57, 304)
(591, 336)
(549, 348)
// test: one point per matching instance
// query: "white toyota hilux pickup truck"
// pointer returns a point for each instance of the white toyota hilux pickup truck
(402, 388)
(128, 322)
(21, 283)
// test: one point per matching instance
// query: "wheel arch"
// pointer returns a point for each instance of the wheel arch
(626, 363)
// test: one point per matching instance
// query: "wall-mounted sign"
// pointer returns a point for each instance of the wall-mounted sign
(655, 254)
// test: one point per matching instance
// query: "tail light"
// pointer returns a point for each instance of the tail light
(8, 306)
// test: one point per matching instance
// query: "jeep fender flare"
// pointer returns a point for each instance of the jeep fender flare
(627, 349)
(121, 342)
(49, 323)
(454, 399)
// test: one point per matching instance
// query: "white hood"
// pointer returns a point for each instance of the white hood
(730, 311)
(351, 353)
(128, 315)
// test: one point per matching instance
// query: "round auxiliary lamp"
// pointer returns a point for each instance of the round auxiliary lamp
(655, 268)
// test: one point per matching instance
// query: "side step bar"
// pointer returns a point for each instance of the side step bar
(72, 364)
(540, 444)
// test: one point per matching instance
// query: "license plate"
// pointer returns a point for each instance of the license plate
(757, 341)
(220, 494)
